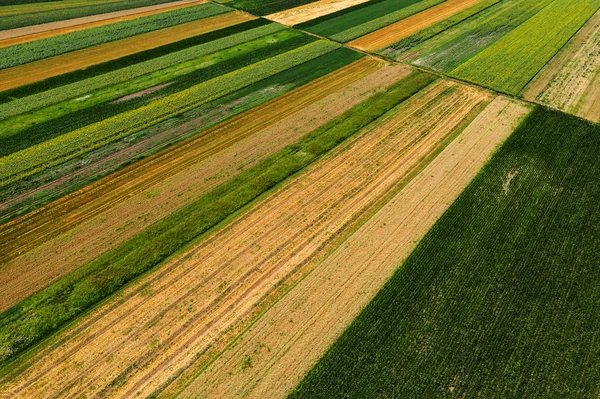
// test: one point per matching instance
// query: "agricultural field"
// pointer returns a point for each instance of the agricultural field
(299, 198)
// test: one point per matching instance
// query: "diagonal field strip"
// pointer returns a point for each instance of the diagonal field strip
(393, 33)
(311, 11)
(11, 78)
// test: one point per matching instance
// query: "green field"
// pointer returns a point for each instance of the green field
(264, 7)
(46, 311)
(510, 63)
(500, 299)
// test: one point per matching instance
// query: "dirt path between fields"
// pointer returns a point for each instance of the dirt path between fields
(311, 11)
(74, 230)
(30, 33)
(135, 343)
(32, 72)
(389, 35)
(296, 332)
(570, 81)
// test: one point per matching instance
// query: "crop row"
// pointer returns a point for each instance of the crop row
(15, 15)
(52, 46)
(60, 149)
(46, 311)
(500, 299)
(176, 78)
(515, 59)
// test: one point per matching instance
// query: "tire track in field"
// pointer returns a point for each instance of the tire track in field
(114, 193)
(327, 301)
(159, 319)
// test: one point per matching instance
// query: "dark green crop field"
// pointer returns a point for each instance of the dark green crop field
(501, 298)
(264, 7)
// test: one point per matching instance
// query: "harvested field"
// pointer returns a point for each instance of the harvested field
(162, 321)
(391, 34)
(35, 71)
(325, 303)
(81, 226)
(570, 81)
(311, 11)
(30, 33)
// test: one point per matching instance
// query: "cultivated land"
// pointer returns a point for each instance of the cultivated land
(391, 34)
(500, 298)
(121, 205)
(571, 81)
(39, 70)
(288, 339)
(310, 11)
(30, 33)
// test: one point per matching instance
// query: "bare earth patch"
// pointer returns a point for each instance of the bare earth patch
(72, 231)
(141, 93)
(570, 82)
(389, 35)
(291, 336)
(137, 342)
(311, 11)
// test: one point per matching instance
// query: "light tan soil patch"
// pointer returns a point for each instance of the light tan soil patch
(76, 229)
(30, 33)
(141, 93)
(324, 304)
(569, 82)
(389, 35)
(39, 70)
(161, 322)
(311, 11)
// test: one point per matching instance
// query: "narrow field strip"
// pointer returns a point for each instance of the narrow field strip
(23, 35)
(510, 63)
(204, 291)
(58, 150)
(389, 35)
(291, 336)
(30, 73)
(264, 7)
(311, 11)
(569, 81)
(123, 204)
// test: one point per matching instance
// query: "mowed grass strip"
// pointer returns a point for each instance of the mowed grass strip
(501, 298)
(50, 47)
(53, 152)
(46, 311)
(388, 35)
(11, 78)
(514, 60)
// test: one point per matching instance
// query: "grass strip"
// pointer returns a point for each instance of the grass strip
(61, 44)
(500, 299)
(47, 310)
(60, 149)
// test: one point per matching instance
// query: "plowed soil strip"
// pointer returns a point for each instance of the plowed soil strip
(389, 35)
(162, 321)
(39, 70)
(81, 226)
(311, 11)
(327, 301)
(570, 81)
(36, 32)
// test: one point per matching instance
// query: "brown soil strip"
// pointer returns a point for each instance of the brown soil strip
(287, 341)
(311, 11)
(39, 70)
(135, 343)
(389, 35)
(141, 93)
(76, 229)
(36, 32)
(567, 82)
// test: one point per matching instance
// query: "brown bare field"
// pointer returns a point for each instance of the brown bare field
(289, 339)
(569, 82)
(30, 33)
(310, 11)
(134, 344)
(72, 231)
(39, 70)
(389, 35)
